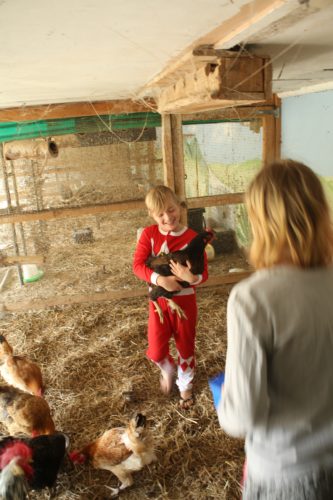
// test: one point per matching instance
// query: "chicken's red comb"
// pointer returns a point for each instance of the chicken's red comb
(17, 449)
(76, 457)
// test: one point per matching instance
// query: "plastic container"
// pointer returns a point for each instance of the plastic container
(31, 273)
(215, 385)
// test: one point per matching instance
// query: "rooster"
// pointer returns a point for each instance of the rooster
(193, 253)
(120, 450)
(19, 371)
(24, 413)
(30, 463)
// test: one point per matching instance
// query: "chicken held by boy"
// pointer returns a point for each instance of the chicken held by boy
(193, 256)
(18, 371)
(30, 463)
(24, 413)
(120, 450)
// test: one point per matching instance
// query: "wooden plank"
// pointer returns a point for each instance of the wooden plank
(277, 102)
(178, 155)
(251, 17)
(75, 109)
(215, 200)
(268, 139)
(35, 304)
(233, 81)
(63, 213)
(167, 152)
(10, 260)
(248, 112)
(178, 161)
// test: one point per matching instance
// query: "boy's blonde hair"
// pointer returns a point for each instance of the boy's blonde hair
(158, 197)
(290, 217)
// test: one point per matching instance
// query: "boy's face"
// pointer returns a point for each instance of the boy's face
(168, 219)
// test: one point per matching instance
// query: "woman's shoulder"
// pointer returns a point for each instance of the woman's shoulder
(276, 280)
(258, 283)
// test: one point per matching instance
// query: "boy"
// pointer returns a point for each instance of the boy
(169, 235)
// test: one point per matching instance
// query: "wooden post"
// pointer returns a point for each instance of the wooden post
(178, 156)
(169, 179)
(277, 102)
(271, 135)
(173, 157)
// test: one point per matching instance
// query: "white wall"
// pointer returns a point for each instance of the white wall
(307, 130)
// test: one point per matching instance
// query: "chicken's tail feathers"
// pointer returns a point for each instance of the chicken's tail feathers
(77, 457)
(13, 482)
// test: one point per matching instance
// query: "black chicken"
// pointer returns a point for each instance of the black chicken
(30, 463)
(194, 253)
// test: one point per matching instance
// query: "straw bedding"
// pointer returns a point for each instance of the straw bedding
(97, 376)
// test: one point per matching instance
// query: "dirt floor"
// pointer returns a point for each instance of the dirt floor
(93, 355)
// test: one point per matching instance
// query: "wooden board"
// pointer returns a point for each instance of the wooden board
(232, 81)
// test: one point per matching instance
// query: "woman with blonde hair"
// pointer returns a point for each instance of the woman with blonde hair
(278, 389)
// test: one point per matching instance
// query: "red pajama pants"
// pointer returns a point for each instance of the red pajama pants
(182, 330)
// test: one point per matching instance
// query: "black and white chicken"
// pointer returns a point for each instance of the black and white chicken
(30, 463)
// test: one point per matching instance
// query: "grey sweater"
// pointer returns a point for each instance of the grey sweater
(278, 390)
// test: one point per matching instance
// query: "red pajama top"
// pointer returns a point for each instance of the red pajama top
(153, 241)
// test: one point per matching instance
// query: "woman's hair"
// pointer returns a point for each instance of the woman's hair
(158, 197)
(290, 217)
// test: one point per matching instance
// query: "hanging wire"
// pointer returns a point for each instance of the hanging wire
(109, 127)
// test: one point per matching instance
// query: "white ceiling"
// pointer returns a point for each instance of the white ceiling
(55, 51)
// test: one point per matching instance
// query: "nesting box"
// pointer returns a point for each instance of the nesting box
(224, 79)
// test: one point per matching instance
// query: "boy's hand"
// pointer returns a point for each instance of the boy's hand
(182, 272)
(170, 283)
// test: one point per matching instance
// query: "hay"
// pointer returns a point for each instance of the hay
(97, 376)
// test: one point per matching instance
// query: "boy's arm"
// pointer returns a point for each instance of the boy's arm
(184, 272)
(141, 254)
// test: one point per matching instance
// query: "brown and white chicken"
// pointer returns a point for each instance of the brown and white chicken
(24, 413)
(120, 450)
(18, 371)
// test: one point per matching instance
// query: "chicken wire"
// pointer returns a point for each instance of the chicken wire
(91, 253)
(222, 158)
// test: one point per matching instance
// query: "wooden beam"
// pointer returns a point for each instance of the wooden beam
(249, 19)
(10, 260)
(215, 200)
(178, 155)
(235, 80)
(277, 103)
(248, 112)
(75, 109)
(63, 213)
(169, 178)
(35, 304)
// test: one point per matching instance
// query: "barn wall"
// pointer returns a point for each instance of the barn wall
(307, 130)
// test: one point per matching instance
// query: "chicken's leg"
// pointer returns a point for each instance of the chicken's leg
(124, 476)
(159, 311)
(176, 308)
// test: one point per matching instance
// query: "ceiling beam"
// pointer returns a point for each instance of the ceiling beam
(252, 17)
(76, 109)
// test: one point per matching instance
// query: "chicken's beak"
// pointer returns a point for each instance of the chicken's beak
(140, 420)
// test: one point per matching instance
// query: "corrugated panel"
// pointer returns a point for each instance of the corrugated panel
(12, 131)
